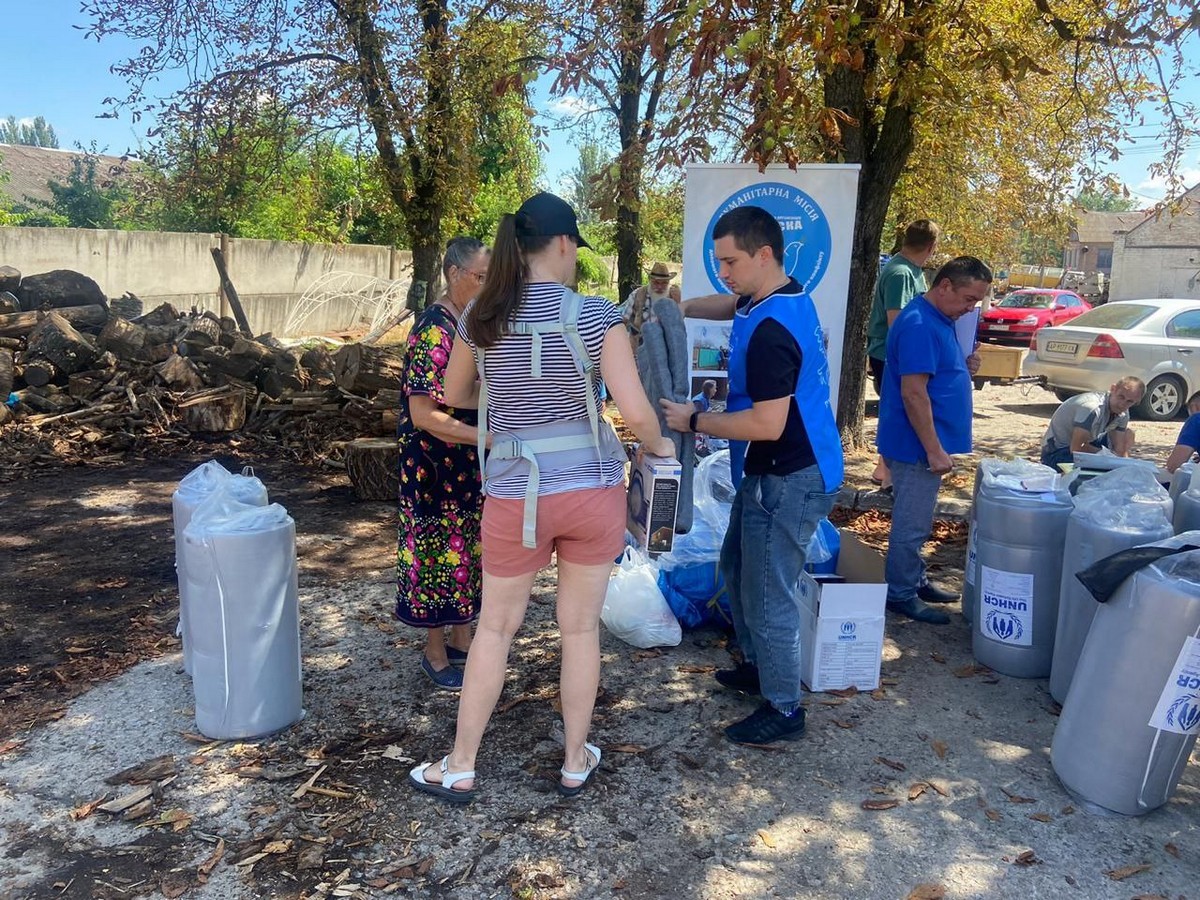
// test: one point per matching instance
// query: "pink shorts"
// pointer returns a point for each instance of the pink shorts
(584, 527)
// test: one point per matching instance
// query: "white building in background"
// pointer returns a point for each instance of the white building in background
(1159, 256)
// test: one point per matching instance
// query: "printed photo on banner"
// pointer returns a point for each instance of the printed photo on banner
(709, 345)
(709, 392)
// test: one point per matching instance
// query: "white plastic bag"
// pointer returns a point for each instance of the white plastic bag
(635, 610)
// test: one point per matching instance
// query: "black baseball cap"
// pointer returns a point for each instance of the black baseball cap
(545, 215)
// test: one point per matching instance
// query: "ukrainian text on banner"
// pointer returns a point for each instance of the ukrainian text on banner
(815, 207)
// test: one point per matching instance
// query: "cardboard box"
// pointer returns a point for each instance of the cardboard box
(653, 503)
(859, 561)
(841, 634)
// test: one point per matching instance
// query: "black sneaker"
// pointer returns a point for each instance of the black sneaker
(931, 593)
(744, 678)
(766, 725)
(918, 611)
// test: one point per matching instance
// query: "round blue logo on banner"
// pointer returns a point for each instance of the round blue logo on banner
(806, 238)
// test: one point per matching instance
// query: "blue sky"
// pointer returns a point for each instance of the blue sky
(48, 68)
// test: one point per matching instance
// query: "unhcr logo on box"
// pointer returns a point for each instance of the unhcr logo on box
(849, 631)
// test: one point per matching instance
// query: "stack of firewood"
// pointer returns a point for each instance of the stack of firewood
(116, 381)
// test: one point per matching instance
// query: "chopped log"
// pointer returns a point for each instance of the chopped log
(11, 343)
(127, 306)
(157, 353)
(125, 339)
(179, 373)
(38, 372)
(9, 303)
(275, 383)
(163, 314)
(388, 398)
(318, 361)
(6, 414)
(20, 324)
(218, 409)
(162, 334)
(201, 332)
(6, 374)
(389, 421)
(59, 288)
(262, 356)
(84, 385)
(55, 340)
(362, 369)
(9, 279)
(44, 400)
(231, 292)
(373, 465)
(242, 368)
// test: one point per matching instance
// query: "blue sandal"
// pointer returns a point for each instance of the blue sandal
(447, 679)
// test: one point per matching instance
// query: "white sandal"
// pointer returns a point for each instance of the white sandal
(590, 751)
(445, 790)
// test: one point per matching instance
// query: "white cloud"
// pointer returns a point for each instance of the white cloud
(1155, 187)
(568, 105)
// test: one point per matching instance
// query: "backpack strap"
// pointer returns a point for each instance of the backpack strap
(572, 305)
(481, 430)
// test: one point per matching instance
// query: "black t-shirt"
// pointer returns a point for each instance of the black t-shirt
(773, 361)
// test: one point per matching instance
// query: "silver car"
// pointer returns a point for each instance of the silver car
(1156, 340)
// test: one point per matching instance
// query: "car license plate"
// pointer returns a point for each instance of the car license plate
(999, 327)
(1061, 347)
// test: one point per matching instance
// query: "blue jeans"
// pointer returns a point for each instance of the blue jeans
(772, 520)
(1052, 458)
(914, 499)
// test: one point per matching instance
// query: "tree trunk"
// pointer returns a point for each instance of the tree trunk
(219, 409)
(373, 465)
(18, 324)
(882, 147)
(363, 369)
(629, 184)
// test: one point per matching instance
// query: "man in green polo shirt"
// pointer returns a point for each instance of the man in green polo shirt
(899, 281)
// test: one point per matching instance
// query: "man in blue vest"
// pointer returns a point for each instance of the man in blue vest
(925, 418)
(786, 460)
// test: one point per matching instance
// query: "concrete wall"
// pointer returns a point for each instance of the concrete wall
(270, 276)
(1159, 258)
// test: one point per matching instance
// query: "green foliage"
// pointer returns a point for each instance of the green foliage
(1102, 200)
(662, 221)
(38, 133)
(584, 182)
(590, 270)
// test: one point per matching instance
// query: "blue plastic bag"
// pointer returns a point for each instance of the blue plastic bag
(823, 549)
(696, 594)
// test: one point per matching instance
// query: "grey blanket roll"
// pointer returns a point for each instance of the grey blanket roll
(663, 366)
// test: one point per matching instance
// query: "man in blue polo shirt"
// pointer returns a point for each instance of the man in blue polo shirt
(924, 418)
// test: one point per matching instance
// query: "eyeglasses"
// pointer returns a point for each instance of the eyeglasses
(480, 277)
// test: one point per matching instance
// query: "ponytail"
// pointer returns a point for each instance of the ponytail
(502, 291)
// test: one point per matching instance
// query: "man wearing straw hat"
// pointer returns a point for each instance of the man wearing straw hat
(638, 307)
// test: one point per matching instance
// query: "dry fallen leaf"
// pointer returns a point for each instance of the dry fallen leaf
(693, 669)
(1042, 817)
(173, 889)
(938, 658)
(878, 694)
(993, 814)
(891, 763)
(941, 790)
(917, 790)
(965, 671)
(627, 748)
(1027, 858)
(765, 837)
(1127, 871)
(9, 746)
(205, 868)
(928, 891)
(1067, 811)
(85, 809)
(1151, 897)
(843, 692)
(1016, 798)
(831, 702)
(1172, 849)
(840, 724)
(939, 748)
(880, 804)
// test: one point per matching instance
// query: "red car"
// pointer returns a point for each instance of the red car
(1015, 318)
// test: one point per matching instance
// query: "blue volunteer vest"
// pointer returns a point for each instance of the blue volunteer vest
(796, 313)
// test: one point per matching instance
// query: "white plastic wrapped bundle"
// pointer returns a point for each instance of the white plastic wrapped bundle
(244, 618)
(1132, 713)
(194, 488)
(1114, 511)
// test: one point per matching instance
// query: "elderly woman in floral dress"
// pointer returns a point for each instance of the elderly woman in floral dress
(437, 564)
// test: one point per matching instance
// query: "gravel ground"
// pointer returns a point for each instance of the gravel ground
(957, 755)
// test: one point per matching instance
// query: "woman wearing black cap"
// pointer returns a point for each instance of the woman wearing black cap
(555, 474)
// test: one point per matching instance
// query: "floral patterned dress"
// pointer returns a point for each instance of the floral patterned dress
(438, 555)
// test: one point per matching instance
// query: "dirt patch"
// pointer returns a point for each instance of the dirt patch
(941, 777)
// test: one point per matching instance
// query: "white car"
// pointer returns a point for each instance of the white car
(1156, 340)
